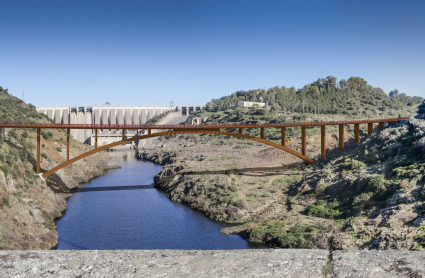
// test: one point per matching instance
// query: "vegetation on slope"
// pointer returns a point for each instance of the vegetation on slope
(349, 97)
(28, 205)
(371, 196)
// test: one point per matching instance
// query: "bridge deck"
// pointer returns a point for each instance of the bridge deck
(210, 129)
(201, 126)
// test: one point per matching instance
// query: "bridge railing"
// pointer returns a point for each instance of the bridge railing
(117, 126)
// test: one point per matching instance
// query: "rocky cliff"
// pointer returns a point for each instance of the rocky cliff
(28, 204)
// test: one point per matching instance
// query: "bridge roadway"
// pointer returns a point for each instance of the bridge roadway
(200, 126)
(208, 129)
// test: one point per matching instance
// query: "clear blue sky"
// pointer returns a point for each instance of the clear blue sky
(65, 53)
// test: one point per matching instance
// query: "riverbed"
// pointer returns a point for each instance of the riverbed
(137, 219)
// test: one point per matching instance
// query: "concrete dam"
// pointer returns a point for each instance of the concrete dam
(128, 115)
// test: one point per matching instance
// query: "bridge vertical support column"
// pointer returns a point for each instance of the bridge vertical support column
(262, 132)
(149, 131)
(67, 144)
(341, 137)
(381, 125)
(282, 136)
(95, 138)
(38, 151)
(2, 134)
(240, 130)
(123, 134)
(303, 140)
(356, 133)
(323, 141)
(370, 128)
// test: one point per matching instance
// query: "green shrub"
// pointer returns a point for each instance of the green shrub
(28, 172)
(377, 183)
(58, 149)
(320, 189)
(5, 201)
(256, 194)
(43, 155)
(25, 134)
(46, 135)
(267, 194)
(5, 169)
(298, 240)
(362, 199)
(13, 134)
(324, 210)
(78, 179)
(23, 155)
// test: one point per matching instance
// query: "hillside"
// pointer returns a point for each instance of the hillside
(370, 196)
(352, 97)
(29, 205)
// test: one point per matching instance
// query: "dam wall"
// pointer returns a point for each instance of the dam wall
(128, 115)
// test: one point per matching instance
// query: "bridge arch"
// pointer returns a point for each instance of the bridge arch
(206, 131)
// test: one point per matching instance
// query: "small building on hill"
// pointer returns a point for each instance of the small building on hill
(250, 104)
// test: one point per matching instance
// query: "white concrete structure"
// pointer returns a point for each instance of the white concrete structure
(2, 133)
(135, 115)
(250, 104)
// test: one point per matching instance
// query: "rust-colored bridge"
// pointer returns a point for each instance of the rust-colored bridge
(206, 129)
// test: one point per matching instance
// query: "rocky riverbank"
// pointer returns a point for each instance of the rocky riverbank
(29, 205)
(363, 198)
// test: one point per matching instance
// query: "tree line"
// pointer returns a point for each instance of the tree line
(326, 95)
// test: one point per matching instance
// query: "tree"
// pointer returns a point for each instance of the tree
(343, 84)
(393, 94)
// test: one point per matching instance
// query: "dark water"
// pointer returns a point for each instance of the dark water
(137, 219)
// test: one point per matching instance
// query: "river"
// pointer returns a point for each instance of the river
(137, 219)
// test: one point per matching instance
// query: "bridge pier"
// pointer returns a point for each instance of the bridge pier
(2, 134)
(356, 133)
(240, 130)
(303, 140)
(262, 132)
(95, 138)
(341, 137)
(381, 125)
(38, 151)
(323, 142)
(67, 144)
(370, 128)
(282, 136)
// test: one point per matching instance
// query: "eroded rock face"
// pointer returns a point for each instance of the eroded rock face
(29, 205)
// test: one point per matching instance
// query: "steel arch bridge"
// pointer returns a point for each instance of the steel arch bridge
(203, 129)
